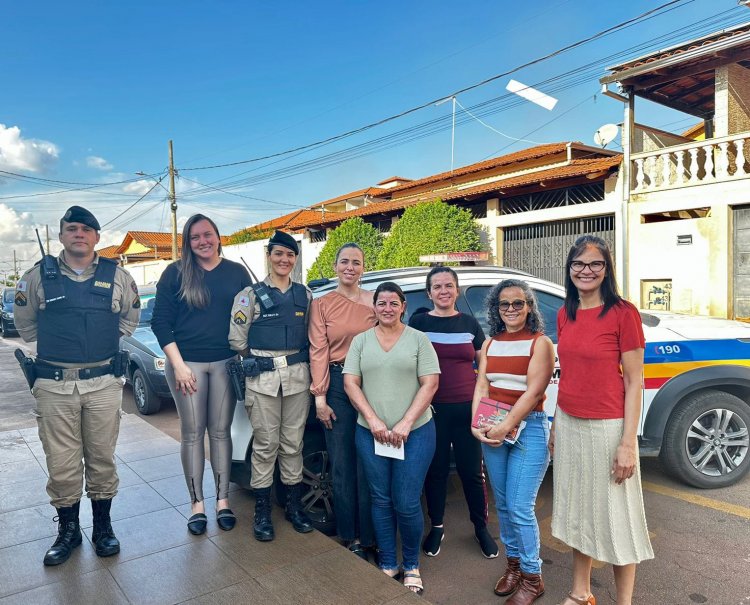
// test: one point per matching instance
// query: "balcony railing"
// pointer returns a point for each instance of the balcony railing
(696, 163)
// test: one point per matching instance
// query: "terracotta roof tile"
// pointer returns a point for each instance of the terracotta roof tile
(109, 252)
(578, 167)
(682, 48)
(394, 178)
(371, 191)
(504, 160)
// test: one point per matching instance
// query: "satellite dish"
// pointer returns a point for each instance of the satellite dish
(606, 134)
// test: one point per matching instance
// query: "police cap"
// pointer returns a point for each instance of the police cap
(77, 214)
(283, 239)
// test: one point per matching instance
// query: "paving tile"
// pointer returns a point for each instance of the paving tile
(149, 448)
(174, 489)
(244, 592)
(30, 435)
(23, 495)
(321, 579)
(259, 558)
(131, 431)
(27, 525)
(127, 476)
(149, 533)
(18, 472)
(129, 502)
(409, 598)
(21, 566)
(94, 587)
(178, 574)
(158, 468)
(13, 448)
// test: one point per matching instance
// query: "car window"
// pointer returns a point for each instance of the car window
(8, 296)
(416, 302)
(548, 305)
(475, 296)
(147, 309)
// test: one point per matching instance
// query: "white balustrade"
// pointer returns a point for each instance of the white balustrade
(710, 161)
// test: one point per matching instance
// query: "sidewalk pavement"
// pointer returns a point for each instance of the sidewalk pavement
(160, 561)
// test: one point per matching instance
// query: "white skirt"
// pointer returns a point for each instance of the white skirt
(590, 512)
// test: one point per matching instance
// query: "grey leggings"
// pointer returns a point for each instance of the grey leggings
(210, 407)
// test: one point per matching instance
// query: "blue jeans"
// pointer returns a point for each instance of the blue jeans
(351, 496)
(516, 472)
(396, 489)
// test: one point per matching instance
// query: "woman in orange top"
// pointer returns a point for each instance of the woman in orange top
(335, 319)
(515, 367)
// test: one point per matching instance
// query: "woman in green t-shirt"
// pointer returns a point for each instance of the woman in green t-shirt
(390, 375)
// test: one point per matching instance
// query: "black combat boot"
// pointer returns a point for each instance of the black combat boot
(262, 525)
(68, 535)
(102, 535)
(294, 513)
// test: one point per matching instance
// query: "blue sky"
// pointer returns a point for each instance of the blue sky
(92, 91)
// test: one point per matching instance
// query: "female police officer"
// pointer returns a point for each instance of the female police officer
(269, 327)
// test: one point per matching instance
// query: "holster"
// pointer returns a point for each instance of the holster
(237, 378)
(27, 367)
(120, 363)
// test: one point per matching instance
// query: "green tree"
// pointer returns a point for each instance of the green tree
(250, 234)
(351, 230)
(429, 228)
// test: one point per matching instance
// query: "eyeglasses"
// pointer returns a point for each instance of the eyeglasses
(597, 266)
(516, 304)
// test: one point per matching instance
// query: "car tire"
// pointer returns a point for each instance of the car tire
(146, 400)
(706, 440)
(317, 478)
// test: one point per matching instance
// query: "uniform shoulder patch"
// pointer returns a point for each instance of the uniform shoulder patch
(244, 301)
(21, 286)
(134, 288)
(20, 299)
(137, 303)
(240, 318)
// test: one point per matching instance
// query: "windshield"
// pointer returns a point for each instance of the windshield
(8, 296)
(147, 309)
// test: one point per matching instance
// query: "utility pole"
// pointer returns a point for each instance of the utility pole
(173, 201)
(15, 266)
(47, 238)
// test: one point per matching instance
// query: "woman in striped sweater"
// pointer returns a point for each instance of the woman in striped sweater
(515, 368)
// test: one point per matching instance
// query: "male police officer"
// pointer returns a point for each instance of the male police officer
(269, 327)
(76, 307)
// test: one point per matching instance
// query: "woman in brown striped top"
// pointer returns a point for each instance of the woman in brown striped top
(515, 367)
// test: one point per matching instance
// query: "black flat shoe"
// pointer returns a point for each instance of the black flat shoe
(225, 519)
(357, 549)
(197, 524)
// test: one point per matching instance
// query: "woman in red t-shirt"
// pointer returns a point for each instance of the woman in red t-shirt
(599, 512)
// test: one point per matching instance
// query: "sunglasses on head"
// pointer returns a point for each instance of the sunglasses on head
(516, 304)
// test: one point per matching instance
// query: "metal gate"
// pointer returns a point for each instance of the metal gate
(541, 248)
(741, 282)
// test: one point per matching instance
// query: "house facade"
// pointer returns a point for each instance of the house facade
(687, 217)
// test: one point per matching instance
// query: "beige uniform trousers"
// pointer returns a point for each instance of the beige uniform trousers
(278, 426)
(79, 432)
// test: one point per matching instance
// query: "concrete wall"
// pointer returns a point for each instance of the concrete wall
(147, 272)
(254, 254)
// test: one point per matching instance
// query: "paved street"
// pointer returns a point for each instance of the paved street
(701, 538)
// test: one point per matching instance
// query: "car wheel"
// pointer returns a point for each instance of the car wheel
(146, 400)
(706, 441)
(317, 478)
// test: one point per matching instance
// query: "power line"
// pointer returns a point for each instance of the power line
(484, 82)
(134, 203)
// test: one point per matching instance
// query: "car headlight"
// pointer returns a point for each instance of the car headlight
(7, 315)
(160, 363)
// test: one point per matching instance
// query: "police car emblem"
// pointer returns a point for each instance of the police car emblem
(240, 318)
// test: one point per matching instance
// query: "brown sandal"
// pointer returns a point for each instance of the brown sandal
(590, 600)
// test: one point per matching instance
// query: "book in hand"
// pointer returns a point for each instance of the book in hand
(490, 412)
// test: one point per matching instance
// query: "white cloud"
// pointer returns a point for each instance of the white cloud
(138, 187)
(29, 155)
(94, 161)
